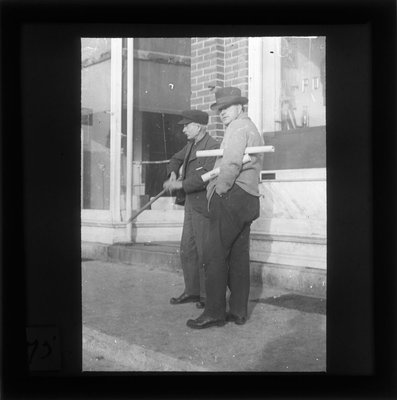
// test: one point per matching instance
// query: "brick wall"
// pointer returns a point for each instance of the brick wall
(217, 62)
(236, 63)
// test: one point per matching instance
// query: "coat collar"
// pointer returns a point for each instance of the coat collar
(201, 145)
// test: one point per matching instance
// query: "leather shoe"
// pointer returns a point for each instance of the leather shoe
(184, 298)
(237, 320)
(204, 322)
(200, 304)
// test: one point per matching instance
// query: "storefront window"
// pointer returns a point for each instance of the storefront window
(292, 95)
(133, 93)
(95, 123)
(302, 100)
(161, 92)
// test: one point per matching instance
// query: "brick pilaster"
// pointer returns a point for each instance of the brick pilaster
(217, 62)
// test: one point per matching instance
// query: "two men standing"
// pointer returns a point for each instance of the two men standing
(233, 204)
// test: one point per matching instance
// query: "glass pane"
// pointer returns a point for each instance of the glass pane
(294, 102)
(161, 92)
(302, 94)
(123, 152)
(95, 122)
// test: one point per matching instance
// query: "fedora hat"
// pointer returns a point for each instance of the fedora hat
(198, 116)
(225, 97)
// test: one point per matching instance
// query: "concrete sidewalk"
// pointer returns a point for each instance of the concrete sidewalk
(129, 325)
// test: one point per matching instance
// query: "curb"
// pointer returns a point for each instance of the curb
(136, 358)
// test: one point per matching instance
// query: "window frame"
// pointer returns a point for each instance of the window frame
(257, 89)
(113, 213)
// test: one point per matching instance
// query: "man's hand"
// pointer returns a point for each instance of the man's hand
(171, 185)
(172, 176)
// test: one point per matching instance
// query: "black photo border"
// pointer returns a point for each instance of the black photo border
(41, 182)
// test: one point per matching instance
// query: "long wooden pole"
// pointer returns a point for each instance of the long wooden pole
(145, 206)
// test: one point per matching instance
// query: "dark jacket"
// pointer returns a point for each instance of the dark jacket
(194, 167)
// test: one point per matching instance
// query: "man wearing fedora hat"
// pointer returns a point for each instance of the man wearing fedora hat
(233, 202)
(196, 219)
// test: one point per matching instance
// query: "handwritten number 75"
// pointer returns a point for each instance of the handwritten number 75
(42, 350)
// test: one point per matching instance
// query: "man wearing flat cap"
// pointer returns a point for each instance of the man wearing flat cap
(185, 170)
(233, 199)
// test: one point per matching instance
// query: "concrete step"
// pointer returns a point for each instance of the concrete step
(165, 255)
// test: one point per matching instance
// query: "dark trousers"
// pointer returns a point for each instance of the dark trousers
(227, 253)
(194, 234)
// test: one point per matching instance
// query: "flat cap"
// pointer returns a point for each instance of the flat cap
(198, 116)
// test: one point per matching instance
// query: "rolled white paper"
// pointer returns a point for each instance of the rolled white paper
(210, 174)
(248, 150)
(215, 172)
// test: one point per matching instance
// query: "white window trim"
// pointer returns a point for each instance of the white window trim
(113, 214)
(264, 56)
(296, 175)
(255, 88)
(130, 124)
(115, 127)
(96, 215)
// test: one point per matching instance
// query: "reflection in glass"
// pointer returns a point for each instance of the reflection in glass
(161, 92)
(302, 96)
(95, 122)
